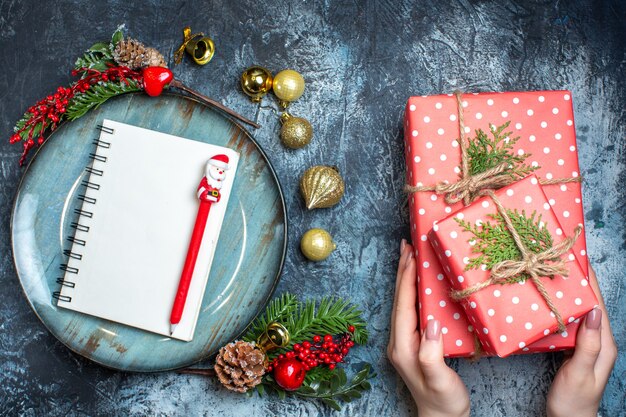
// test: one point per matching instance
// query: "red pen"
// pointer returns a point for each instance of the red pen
(208, 193)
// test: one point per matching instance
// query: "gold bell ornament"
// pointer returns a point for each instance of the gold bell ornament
(317, 244)
(275, 336)
(296, 132)
(321, 186)
(288, 86)
(256, 82)
(200, 47)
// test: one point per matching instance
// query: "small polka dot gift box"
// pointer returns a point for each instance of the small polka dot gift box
(544, 123)
(474, 245)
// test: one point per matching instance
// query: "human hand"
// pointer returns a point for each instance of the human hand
(578, 386)
(436, 389)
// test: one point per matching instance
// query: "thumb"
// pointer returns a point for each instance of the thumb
(588, 343)
(434, 369)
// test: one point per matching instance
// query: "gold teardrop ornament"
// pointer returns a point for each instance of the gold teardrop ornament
(296, 132)
(321, 186)
(317, 244)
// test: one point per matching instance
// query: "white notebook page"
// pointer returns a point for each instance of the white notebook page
(142, 221)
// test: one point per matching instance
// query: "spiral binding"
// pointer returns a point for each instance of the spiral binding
(81, 212)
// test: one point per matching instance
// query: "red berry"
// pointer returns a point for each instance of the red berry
(328, 338)
(290, 355)
(281, 356)
(306, 344)
(317, 339)
(350, 344)
(345, 351)
(351, 329)
(297, 347)
(289, 374)
(331, 366)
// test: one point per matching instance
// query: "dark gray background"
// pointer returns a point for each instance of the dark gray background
(361, 61)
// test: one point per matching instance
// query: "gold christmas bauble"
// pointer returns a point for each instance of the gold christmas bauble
(256, 82)
(317, 244)
(288, 86)
(321, 186)
(296, 132)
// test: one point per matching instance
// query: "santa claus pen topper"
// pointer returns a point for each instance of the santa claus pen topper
(208, 193)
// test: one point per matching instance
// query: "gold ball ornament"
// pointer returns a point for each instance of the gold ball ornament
(321, 186)
(256, 82)
(288, 86)
(317, 244)
(296, 132)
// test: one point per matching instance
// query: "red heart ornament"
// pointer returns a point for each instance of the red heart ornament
(155, 79)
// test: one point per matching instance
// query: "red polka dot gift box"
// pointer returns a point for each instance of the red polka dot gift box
(544, 123)
(491, 270)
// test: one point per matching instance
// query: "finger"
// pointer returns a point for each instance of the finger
(608, 353)
(401, 266)
(404, 252)
(405, 323)
(588, 345)
(436, 372)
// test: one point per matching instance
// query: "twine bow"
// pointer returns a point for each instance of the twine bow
(469, 187)
(188, 37)
(543, 264)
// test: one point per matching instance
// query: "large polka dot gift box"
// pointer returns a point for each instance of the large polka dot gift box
(544, 121)
(508, 317)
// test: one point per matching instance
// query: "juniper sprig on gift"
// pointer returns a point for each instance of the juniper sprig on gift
(485, 152)
(493, 243)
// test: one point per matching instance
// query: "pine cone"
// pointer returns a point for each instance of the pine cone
(153, 58)
(240, 366)
(134, 55)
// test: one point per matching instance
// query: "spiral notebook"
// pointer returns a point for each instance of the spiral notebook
(132, 231)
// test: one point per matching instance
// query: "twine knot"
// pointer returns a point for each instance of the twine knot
(531, 261)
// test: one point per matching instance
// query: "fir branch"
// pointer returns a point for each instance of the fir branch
(279, 309)
(485, 153)
(333, 316)
(96, 95)
(303, 320)
(493, 243)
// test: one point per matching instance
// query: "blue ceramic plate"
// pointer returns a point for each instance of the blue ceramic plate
(251, 248)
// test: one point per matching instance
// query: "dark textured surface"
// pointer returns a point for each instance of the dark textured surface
(361, 61)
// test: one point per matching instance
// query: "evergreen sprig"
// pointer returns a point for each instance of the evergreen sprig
(100, 56)
(279, 309)
(486, 152)
(493, 243)
(304, 320)
(328, 386)
(99, 93)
